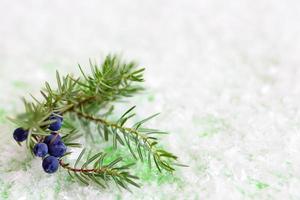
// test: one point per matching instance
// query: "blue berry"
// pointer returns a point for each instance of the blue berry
(40, 149)
(58, 115)
(57, 150)
(50, 164)
(55, 126)
(20, 134)
(54, 138)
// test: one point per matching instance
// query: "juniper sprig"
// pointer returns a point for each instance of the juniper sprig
(89, 99)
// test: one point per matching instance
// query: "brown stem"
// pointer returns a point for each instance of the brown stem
(113, 125)
(100, 170)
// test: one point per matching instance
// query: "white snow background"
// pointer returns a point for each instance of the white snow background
(224, 74)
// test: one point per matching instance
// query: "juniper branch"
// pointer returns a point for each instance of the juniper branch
(100, 173)
(84, 97)
(161, 158)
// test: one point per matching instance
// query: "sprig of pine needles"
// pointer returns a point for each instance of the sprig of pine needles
(85, 98)
(136, 136)
(101, 173)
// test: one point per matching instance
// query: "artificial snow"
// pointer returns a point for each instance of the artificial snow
(223, 74)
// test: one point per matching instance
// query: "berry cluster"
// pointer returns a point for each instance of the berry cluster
(51, 148)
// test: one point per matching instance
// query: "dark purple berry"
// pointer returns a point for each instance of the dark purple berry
(50, 164)
(54, 138)
(57, 150)
(58, 115)
(20, 134)
(55, 126)
(40, 149)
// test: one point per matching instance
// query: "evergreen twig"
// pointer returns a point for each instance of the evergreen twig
(83, 98)
(101, 173)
